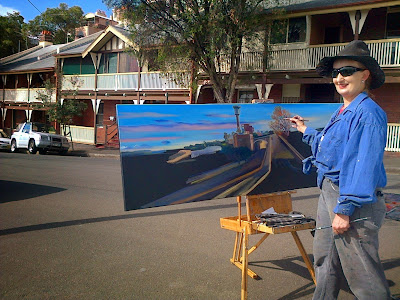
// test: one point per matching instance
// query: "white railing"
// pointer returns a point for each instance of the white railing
(78, 82)
(127, 81)
(393, 137)
(386, 52)
(249, 61)
(24, 95)
(158, 81)
(82, 134)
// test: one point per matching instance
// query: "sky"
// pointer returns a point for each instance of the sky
(165, 127)
(29, 9)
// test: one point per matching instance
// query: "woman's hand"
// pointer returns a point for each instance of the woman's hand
(340, 224)
(298, 123)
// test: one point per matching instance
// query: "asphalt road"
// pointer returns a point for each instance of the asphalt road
(64, 235)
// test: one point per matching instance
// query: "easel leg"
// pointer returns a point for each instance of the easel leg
(304, 255)
(244, 264)
(236, 247)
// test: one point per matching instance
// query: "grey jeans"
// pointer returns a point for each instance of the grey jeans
(353, 254)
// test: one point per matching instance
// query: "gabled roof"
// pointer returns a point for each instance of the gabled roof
(78, 46)
(41, 58)
(107, 34)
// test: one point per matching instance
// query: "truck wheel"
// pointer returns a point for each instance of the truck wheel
(14, 148)
(63, 152)
(32, 147)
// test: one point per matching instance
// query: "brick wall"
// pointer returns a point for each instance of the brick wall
(276, 93)
(388, 97)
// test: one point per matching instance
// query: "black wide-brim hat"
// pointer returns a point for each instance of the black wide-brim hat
(356, 50)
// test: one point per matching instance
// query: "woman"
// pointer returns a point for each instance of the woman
(348, 154)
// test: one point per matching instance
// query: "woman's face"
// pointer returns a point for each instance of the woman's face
(350, 86)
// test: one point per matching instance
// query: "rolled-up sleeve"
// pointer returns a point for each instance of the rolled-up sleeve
(362, 168)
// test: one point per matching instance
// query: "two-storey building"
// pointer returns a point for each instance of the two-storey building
(311, 31)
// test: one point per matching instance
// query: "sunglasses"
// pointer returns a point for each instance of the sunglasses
(345, 71)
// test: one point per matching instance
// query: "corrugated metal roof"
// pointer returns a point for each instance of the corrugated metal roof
(41, 58)
(78, 46)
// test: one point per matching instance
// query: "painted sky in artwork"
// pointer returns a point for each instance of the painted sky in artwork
(157, 128)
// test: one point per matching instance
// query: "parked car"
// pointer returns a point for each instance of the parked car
(36, 137)
(5, 141)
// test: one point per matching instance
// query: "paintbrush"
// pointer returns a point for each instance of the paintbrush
(304, 120)
(330, 226)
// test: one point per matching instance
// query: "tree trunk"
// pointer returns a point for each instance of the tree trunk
(233, 72)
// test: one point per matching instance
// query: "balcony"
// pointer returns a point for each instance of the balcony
(386, 52)
(24, 95)
(126, 81)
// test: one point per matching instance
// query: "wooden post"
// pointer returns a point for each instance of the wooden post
(357, 26)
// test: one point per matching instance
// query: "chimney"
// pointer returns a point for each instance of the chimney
(45, 38)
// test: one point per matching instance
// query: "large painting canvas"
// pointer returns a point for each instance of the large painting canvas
(173, 154)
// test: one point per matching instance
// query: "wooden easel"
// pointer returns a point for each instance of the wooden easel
(245, 225)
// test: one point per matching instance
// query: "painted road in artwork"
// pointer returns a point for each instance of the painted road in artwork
(173, 154)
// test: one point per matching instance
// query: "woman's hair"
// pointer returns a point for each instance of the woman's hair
(367, 88)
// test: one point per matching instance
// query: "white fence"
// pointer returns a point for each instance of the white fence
(393, 137)
(82, 134)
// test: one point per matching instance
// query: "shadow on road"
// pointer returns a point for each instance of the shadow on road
(291, 264)
(140, 214)
(15, 191)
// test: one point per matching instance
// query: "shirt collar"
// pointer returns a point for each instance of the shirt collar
(356, 101)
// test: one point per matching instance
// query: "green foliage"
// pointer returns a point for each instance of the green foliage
(60, 21)
(205, 33)
(57, 112)
(12, 36)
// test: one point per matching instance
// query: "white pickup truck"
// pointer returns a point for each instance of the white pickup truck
(36, 137)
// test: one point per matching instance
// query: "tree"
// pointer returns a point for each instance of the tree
(280, 123)
(204, 32)
(12, 38)
(60, 21)
(61, 112)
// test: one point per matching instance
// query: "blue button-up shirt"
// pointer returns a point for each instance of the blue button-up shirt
(349, 152)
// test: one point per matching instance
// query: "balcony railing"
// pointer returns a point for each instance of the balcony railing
(386, 52)
(393, 137)
(126, 81)
(24, 95)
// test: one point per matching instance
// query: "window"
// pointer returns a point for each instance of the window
(245, 96)
(100, 115)
(127, 63)
(72, 66)
(77, 66)
(288, 31)
(393, 23)
(108, 63)
(87, 65)
(27, 128)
